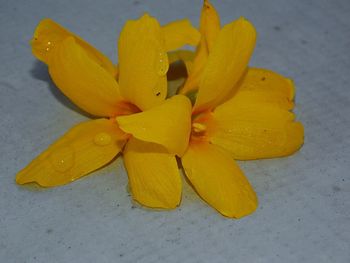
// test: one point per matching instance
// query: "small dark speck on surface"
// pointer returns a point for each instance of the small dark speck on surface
(136, 2)
(303, 41)
(158, 93)
(277, 28)
(336, 188)
(263, 79)
(133, 207)
(49, 231)
(121, 255)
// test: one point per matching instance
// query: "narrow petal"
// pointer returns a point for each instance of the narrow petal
(218, 180)
(82, 80)
(226, 63)
(168, 124)
(179, 33)
(153, 174)
(265, 86)
(49, 34)
(209, 24)
(256, 129)
(83, 149)
(143, 63)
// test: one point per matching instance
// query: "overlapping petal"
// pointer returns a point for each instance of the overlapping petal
(179, 33)
(226, 63)
(143, 63)
(168, 124)
(153, 174)
(209, 24)
(49, 34)
(257, 128)
(83, 149)
(218, 180)
(83, 81)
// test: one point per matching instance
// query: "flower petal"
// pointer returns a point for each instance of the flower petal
(49, 34)
(168, 124)
(209, 24)
(186, 56)
(255, 130)
(143, 63)
(82, 80)
(153, 174)
(226, 63)
(180, 33)
(83, 149)
(218, 180)
(265, 86)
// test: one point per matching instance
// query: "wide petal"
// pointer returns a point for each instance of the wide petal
(226, 63)
(255, 129)
(143, 63)
(179, 33)
(82, 80)
(83, 149)
(218, 180)
(153, 174)
(265, 86)
(49, 34)
(168, 124)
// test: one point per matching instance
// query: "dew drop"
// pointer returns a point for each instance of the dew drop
(102, 139)
(162, 64)
(62, 159)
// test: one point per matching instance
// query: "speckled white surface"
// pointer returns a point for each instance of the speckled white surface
(304, 212)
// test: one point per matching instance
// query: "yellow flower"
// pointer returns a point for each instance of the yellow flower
(238, 113)
(133, 114)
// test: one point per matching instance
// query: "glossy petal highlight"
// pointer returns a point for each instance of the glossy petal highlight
(180, 33)
(143, 63)
(168, 124)
(153, 174)
(218, 180)
(49, 34)
(255, 130)
(83, 81)
(226, 63)
(83, 149)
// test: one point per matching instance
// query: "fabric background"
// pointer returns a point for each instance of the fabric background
(304, 211)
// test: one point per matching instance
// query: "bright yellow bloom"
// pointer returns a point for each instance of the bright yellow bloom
(238, 113)
(133, 113)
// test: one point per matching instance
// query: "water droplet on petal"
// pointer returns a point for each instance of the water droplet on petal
(62, 159)
(162, 63)
(102, 139)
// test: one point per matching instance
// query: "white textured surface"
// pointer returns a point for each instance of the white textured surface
(304, 212)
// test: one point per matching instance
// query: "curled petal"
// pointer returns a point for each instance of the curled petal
(168, 124)
(49, 34)
(226, 63)
(83, 149)
(153, 174)
(83, 81)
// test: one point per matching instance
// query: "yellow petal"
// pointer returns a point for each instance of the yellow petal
(196, 68)
(168, 124)
(179, 33)
(255, 130)
(218, 180)
(209, 24)
(143, 63)
(83, 81)
(265, 86)
(83, 149)
(49, 34)
(153, 174)
(226, 63)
